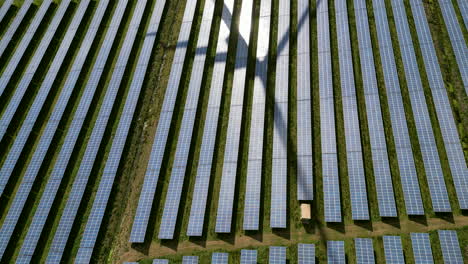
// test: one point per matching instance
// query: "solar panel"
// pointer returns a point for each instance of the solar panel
(280, 125)
(411, 192)
(456, 37)
(190, 260)
(35, 62)
(463, 5)
(393, 250)
(37, 224)
(31, 173)
(364, 251)
(448, 127)
(13, 26)
(434, 174)
(228, 180)
(277, 255)
(219, 258)
(198, 208)
(248, 256)
(331, 187)
(25, 42)
(422, 248)
(145, 202)
(160, 261)
(4, 9)
(171, 207)
(93, 225)
(306, 253)
(357, 182)
(304, 150)
(255, 156)
(451, 251)
(335, 252)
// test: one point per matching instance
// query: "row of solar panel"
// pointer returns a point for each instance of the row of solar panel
(277, 255)
(364, 251)
(48, 197)
(153, 169)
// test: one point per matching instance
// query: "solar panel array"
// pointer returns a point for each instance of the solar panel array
(145, 202)
(451, 251)
(51, 188)
(336, 252)
(331, 182)
(456, 36)
(160, 261)
(4, 9)
(463, 5)
(26, 40)
(306, 254)
(12, 28)
(254, 164)
(393, 250)
(277, 255)
(44, 91)
(434, 174)
(305, 188)
(231, 151)
(190, 260)
(364, 251)
(248, 256)
(88, 239)
(422, 248)
(202, 181)
(33, 65)
(280, 124)
(29, 177)
(409, 179)
(174, 192)
(383, 178)
(357, 181)
(219, 258)
(441, 101)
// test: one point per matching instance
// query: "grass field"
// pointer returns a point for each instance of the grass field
(112, 245)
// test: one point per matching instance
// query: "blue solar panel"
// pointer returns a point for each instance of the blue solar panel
(331, 187)
(306, 253)
(422, 248)
(190, 260)
(277, 255)
(93, 225)
(304, 112)
(145, 202)
(254, 166)
(393, 250)
(197, 211)
(463, 5)
(448, 127)
(228, 180)
(434, 174)
(25, 41)
(408, 175)
(280, 123)
(171, 207)
(335, 252)
(456, 36)
(160, 261)
(4, 9)
(248, 256)
(219, 258)
(364, 251)
(13, 26)
(451, 251)
(357, 181)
